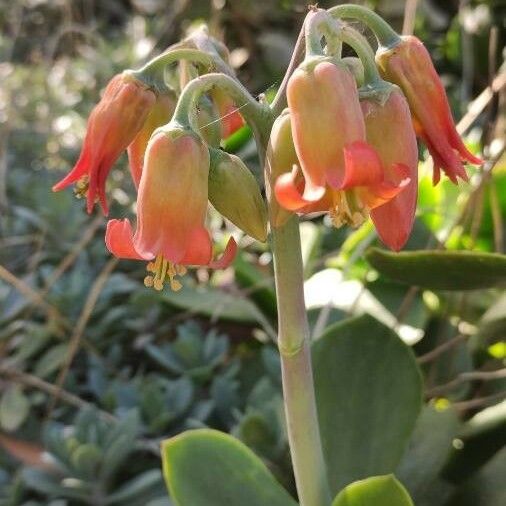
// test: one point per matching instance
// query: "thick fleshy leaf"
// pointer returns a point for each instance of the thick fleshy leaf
(209, 468)
(375, 491)
(368, 390)
(441, 270)
(427, 453)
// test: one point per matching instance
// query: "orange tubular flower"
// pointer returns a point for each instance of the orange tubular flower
(160, 114)
(389, 131)
(408, 64)
(341, 172)
(112, 126)
(171, 209)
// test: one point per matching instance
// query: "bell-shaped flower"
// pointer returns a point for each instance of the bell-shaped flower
(364, 187)
(408, 64)
(339, 171)
(389, 131)
(160, 114)
(171, 210)
(112, 126)
(326, 117)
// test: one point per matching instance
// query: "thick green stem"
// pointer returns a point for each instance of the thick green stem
(386, 35)
(298, 385)
(255, 113)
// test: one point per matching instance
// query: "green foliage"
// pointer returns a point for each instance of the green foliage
(368, 391)
(442, 270)
(154, 365)
(87, 459)
(377, 491)
(212, 456)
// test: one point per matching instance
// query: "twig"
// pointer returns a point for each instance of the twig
(480, 102)
(34, 296)
(409, 17)
(465, 377)
(478, 402)
(82, 321)
(497, 219)
(87, 236)
(442, 348)
(279, 102)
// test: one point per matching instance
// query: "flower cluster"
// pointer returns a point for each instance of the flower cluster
(170, 168)
(355, 155)
(346, 144)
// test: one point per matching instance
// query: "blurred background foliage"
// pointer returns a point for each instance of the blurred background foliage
(95, 369)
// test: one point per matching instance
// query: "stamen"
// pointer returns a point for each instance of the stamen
(347, 209)
(81, 187)
(161, 269)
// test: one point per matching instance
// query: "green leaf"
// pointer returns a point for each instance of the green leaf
(52, 359)
(427, 452)
(369, 392)
(209, 468)
(441, 270)
(375, 491)
(14, 408)
(213, 302)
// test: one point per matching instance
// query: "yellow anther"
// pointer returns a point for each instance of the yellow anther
(81, 187)
(162, 269)
(347, 209)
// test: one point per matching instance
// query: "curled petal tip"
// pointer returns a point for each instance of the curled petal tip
(227, 256)
(119, 239)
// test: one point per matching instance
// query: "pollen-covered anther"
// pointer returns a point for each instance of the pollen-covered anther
(347, 210)
(81, 187)
(162, 271)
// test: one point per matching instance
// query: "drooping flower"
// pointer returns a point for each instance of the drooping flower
(389, 131)
(339, 171)
(112, 126)
(160, 114)
(171, 211)
(408, 64)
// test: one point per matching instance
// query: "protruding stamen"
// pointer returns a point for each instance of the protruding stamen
(347, 209)
(161, 269)
(81, 187)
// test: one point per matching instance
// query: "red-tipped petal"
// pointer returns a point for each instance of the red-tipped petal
(362, 166)
(78, 171)
(227, 257)
(288, 194)
(378, 194)
(119, 240)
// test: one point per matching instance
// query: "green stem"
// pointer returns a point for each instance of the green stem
(386, 35)
(364, 51)
(313, 32)
(152, 72)
(255, 113)
(298, 385)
